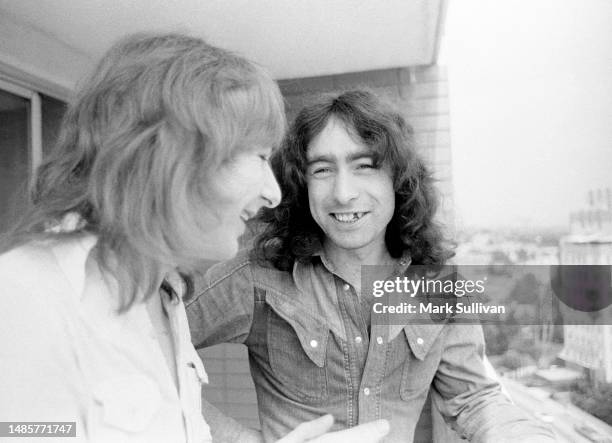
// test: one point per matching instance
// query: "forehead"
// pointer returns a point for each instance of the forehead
(335, 141)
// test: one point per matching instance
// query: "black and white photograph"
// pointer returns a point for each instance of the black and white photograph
(326, 221)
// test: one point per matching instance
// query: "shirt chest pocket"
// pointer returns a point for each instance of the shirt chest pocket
(297, 346)
(423, 353)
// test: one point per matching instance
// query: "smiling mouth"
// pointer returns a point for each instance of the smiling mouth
(347, 217)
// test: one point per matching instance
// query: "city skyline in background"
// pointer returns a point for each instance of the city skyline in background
(530, 88)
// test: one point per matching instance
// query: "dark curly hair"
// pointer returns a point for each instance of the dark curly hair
(289, 232)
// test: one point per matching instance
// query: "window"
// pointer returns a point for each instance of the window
(29, 125)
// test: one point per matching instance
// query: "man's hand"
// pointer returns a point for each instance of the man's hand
(315, 432)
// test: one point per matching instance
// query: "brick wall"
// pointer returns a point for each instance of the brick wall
(230, 387)
(422, 94)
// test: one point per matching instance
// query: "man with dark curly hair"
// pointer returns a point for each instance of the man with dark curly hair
(354, 192)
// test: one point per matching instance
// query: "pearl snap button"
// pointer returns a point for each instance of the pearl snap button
(366, 391)
(346, 287)
(420, 341)
(379, 340)
(314, 343)
(358, 339)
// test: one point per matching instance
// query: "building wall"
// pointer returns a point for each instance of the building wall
(422, 94)
(589, 243)
(576, 250)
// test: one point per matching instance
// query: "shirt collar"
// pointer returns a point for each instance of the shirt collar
(174, 286)
(401, 264)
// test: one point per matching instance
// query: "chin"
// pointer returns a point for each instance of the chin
(228, 252)
(223, 251)
(349, 244)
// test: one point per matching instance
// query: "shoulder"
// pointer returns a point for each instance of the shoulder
(241, 263)
(46, 269)
(240, 271)
(230, 272)
(25, 264)
(36, 300)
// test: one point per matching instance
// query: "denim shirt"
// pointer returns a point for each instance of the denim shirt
(311, 353)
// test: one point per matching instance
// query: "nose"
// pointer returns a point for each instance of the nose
(271, 192)
(344, 188)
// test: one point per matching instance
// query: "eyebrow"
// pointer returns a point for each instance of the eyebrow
(331, 158)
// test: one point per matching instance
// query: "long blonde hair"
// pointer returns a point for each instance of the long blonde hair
(158, 113)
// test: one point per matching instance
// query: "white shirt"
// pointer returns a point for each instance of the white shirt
(67, 355)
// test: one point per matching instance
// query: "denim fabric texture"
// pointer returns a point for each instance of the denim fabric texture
(312, 351)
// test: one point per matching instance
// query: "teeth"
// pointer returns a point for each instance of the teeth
(348, 217)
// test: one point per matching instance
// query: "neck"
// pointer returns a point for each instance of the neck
(348, 262)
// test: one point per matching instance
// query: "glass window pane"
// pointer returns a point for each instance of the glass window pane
(14, 157)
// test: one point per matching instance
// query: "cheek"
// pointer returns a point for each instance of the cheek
(387, 196)
(316, 197)
(229, 195)
(245, 182)
(218, 207)
(220, 245)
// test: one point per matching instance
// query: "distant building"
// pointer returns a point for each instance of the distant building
(589, 347)
(590, 243)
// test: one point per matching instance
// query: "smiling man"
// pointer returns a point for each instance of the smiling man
(354, 193)
(351, 198)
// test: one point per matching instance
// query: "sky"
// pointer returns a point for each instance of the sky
(530, 84)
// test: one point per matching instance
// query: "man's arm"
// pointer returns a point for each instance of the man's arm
(221, 307)
(220, 310)
(471, 399)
